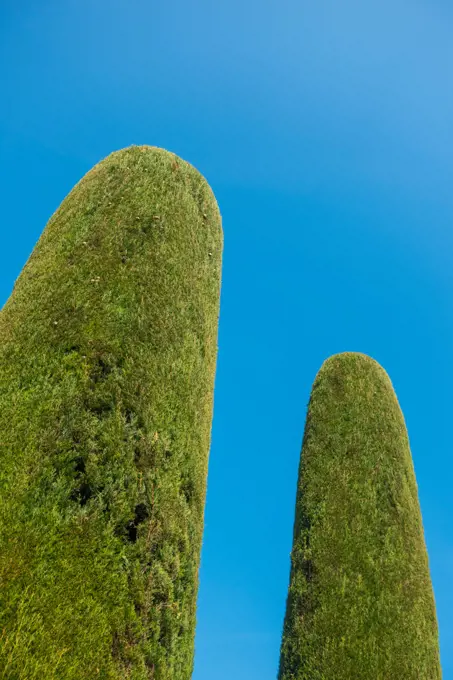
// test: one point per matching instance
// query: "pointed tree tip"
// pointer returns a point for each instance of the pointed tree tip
(348, 358)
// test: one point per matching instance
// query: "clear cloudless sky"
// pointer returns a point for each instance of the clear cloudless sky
(325, 129)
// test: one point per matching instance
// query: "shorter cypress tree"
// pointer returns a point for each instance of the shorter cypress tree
(360, 604)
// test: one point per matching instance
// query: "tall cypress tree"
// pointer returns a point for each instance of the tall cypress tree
(360, 604)
(108, 346)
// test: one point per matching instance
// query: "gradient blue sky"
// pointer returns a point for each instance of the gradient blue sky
(325, 129)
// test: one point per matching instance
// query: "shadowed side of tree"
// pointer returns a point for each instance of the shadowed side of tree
(108, 346)
(360, 602)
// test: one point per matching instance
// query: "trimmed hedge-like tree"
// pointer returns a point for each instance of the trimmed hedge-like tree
(108, 347)
(360, 603)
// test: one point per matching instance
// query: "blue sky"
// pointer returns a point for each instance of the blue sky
(326, 132)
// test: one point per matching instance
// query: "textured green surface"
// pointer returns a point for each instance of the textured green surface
(107, 357)
(360, 603)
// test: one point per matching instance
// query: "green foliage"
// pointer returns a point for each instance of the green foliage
(360, 603)
(107, 358)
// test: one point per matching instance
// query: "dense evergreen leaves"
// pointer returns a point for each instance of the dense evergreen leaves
(107, 357)
(360, 603)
